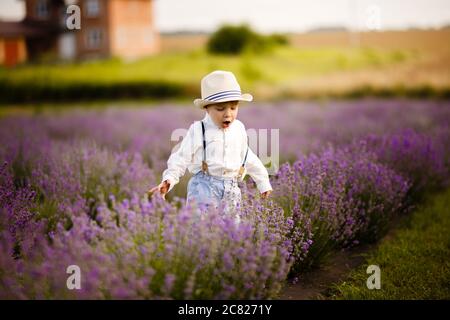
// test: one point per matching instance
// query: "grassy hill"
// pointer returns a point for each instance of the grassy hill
(314, 65)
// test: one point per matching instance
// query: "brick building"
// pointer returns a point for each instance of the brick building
(109, 28)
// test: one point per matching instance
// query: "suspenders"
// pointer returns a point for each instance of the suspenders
(242, 168)
(205, 165)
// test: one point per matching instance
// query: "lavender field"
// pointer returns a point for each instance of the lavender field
(73, 192)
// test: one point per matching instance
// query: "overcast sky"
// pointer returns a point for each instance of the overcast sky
(286, 15)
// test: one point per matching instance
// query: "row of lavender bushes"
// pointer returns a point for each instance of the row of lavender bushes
(66, 200)
(350, 194)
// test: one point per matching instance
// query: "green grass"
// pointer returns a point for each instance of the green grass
(179, 73)
(415, 264)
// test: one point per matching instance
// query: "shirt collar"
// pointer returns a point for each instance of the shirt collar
(207, 120)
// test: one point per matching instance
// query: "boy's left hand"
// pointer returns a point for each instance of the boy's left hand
(266, 194)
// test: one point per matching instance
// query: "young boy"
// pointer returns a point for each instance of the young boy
(216, 149)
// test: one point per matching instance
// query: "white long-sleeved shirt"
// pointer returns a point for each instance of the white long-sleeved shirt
(225, 153)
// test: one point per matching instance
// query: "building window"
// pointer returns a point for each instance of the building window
(42, 11)
(150, 38)
(94, 38)
(92, 8)
(63, 17)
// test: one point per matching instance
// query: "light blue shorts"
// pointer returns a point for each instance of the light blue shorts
(208, 190)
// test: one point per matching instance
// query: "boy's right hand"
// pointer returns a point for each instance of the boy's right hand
(163, 188)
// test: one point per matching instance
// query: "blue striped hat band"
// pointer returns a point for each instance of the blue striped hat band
(223, 95)
(214, 96)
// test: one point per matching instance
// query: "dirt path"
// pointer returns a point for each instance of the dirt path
(316, 283)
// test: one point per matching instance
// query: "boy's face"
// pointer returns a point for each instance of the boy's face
(224, 113)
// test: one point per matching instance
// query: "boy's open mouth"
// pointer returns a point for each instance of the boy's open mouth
(226, 124)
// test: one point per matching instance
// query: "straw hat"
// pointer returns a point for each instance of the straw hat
(220, 86)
